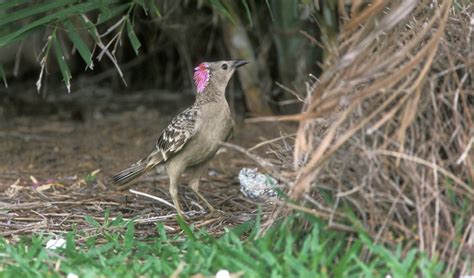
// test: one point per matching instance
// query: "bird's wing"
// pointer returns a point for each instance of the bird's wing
(181, 129)
(173, 138)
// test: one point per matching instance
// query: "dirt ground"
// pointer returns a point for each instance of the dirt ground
(54, 168)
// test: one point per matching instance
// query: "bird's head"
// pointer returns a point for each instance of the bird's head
(215, 74)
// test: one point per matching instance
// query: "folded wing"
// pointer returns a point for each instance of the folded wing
(173, 138)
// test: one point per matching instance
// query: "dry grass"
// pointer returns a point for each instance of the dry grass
(388, 129)
(49, 180)
(59, 206)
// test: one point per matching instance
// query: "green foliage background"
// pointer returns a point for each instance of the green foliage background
(172, 36)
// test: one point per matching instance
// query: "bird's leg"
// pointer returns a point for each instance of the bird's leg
(194, 187)
(174, 172)
(174, 195)
(196, 174)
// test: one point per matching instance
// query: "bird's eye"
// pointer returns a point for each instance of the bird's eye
(224, 67)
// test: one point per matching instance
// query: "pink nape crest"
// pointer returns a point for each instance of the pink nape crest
(201, 77)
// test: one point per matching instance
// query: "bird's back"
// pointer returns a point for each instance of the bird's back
(215, 126)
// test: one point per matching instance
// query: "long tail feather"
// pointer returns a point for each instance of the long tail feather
(129, 174)
(136, 170)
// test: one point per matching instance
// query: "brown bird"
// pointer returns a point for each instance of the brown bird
(193, 137)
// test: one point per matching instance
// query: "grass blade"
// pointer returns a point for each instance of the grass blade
(90, 27)
(185, 228)
(62, 63)
(105, 16)
(92, 221)
(225, 12)
(247, 11)
(153, 8)
(270, 10)
(104, 9)
(34, 10)
(133, 37)
(79, 43)
(128, 240)
(143, 5)
(40, 23)
(12, 3)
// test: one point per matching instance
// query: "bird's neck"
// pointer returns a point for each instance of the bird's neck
(211, 93)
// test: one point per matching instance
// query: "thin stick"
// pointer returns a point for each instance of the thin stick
(427, 164)
(153, 197)
(271, 141)
(294, 93)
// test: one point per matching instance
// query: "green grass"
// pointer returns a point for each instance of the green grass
(286, 250)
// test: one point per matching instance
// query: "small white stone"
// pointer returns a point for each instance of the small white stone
(223, 273)
(55, 243)
(72, 275)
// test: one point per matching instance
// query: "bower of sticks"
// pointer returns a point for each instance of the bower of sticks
(388, 130)
(385, 132)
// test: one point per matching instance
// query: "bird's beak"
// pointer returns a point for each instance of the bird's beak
(239, 63)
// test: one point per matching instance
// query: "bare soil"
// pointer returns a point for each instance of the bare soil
(54, 168)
